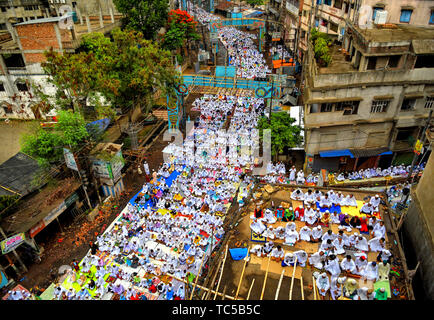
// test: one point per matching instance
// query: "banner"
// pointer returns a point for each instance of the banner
(12, 243)
(70, 159)
(418, 147)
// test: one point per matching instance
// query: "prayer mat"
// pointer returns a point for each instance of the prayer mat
(383, 284)
(254, 237)
(163, 211)
(276, 267)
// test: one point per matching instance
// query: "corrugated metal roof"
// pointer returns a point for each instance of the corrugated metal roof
(360, 153)
(16, 175)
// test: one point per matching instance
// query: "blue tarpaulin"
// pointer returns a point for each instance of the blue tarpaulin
(386, 153)
(254, 14)
(100, 125)
(238, 253)
(336, 153)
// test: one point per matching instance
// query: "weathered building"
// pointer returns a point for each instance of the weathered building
(22, 53)
(372, 99)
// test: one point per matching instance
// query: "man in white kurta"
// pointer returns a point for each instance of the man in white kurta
(323, 284)
(348, 265)
(375, 202)
(297, 194)
(377, 244)
(371, 271)
(305, 233)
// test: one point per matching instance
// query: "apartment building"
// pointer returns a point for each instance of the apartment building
(329, 16)
(22, 52)
(369, 104)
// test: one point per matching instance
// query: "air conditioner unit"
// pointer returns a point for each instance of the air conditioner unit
(381, 17)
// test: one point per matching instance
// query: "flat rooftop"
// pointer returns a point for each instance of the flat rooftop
(338, 64)
(396, 33)
(38, 206)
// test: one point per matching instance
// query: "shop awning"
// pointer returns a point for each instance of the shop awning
(360, 153)
(336, 153)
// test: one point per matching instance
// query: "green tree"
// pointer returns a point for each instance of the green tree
(46, 145)
(146, 16)
(283, 133)
(77, 77)
(181, 29)
(139, 67)
(254, 3)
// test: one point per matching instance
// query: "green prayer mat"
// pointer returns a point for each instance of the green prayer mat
(383, 284)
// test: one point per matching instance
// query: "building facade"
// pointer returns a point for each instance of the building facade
(22, 52)
(370, 103)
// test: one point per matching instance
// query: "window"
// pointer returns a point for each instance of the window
(318, 1)
(326, 107)
(334, 27)
(394, 61)
(14, 60)
(7, 109)
(347, 7)
(431, 18)
(429, 103)
(316, 23)
(4, 9)
(424, 61)
(372, 62)
(408, 104)
(314, 108)
(405, 15)
(2, 87)
(338, 4)
(328, 2)
(374, 12)
(350, 107)
(22, 86)
(379, 106)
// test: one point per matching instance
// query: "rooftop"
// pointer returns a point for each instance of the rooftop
(16, 175)
(395, 33)
(37, 207)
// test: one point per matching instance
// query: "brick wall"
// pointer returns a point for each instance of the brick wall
(40, 36)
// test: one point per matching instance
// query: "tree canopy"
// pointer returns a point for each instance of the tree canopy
(283, 133)
(138, 66)
(146, 16)
(181, 28)
(254, 3)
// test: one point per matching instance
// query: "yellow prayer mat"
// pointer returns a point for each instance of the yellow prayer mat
(163, 211)
(352, 211)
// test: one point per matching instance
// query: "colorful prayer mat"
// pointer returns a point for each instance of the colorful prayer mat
(254, 237)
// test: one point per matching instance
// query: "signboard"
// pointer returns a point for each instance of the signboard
(418, 147)
(12, 243)
(276, 36)
(109, 169)
(53, 215)
(36, 229)
(309, 161)
(70, 159)
(213, 35)
(3, 280)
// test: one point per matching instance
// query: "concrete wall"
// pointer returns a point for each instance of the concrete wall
(419, 225)
(421, 12)
(348, 137)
